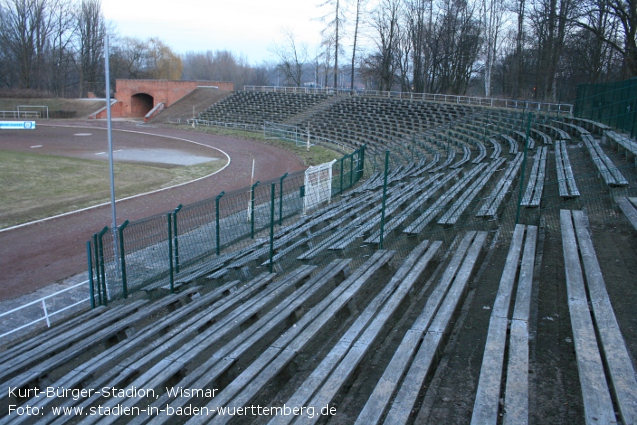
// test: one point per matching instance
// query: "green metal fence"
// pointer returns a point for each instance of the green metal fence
(244, 232)
(613, 104)
(160, 249)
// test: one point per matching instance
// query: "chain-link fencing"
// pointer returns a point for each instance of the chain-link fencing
(613, 104)
(160, 250)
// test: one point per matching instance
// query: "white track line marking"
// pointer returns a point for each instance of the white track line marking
(130, 197)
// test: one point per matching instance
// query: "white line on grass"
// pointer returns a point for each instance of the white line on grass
(130, 197)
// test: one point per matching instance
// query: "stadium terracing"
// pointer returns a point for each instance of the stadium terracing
(464, 262)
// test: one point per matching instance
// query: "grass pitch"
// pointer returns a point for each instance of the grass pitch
(35, 186)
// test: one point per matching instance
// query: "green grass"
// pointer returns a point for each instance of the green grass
(315, 156)
(37, 186)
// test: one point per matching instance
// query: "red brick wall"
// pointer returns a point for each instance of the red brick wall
(164, 91)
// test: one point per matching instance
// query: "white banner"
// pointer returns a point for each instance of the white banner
(17, 125)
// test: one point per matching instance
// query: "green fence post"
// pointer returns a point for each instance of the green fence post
(122, 253)
(526, 143)
(91, 290)
(97, 269)
(342, 160)
(363, 149)
(281, 199)
(351, 171)
(101, 264)
(217, 238)
(175, 237)
(171, 270)
(252, 210)
(272, 224)
(382, 212)
(633, 122)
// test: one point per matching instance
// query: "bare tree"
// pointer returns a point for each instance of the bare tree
(614, 22)
(334, 20)
(381, 64)
(359, 4)
(60, 68)
(492, 21)
(292, 57)
(91, 28)
(419, 23)
(23, 29)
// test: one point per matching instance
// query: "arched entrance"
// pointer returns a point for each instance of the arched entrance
(141, 104)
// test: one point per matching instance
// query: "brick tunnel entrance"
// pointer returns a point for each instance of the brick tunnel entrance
(141, 104)
(136, 98)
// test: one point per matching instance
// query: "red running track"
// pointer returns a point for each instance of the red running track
(49, 251)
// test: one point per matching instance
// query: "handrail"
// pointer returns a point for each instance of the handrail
(19, 114)
(46, 315)
(526, 105)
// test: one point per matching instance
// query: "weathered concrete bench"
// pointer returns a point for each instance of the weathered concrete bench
(521, 137)
(590, 125)
(599, 346)
(565, 177)
(571, 128)
(497, 149)
(54, 331)
(434, 184)
(492, 202)
(274, 360)
(451, 155)
(513, 144)
(609, 172)
(402, 381)
(466, 157)
(428, 215)
(620, 142)
(518, 268)
(339, 365)
(26, 374)
(65, 341)
(223, 311)
(629, 208)
(482, 153)
(546, 139)
(535, 187)
(247, 345)
(556, 133)
(193, 312)
(454, 213)
(237, 325)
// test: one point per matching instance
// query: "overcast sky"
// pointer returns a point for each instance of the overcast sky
(244, 27)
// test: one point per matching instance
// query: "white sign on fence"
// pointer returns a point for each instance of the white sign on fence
(318, 185)
(17, 125)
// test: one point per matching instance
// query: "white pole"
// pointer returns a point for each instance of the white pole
(110, 153)
(110, 132)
